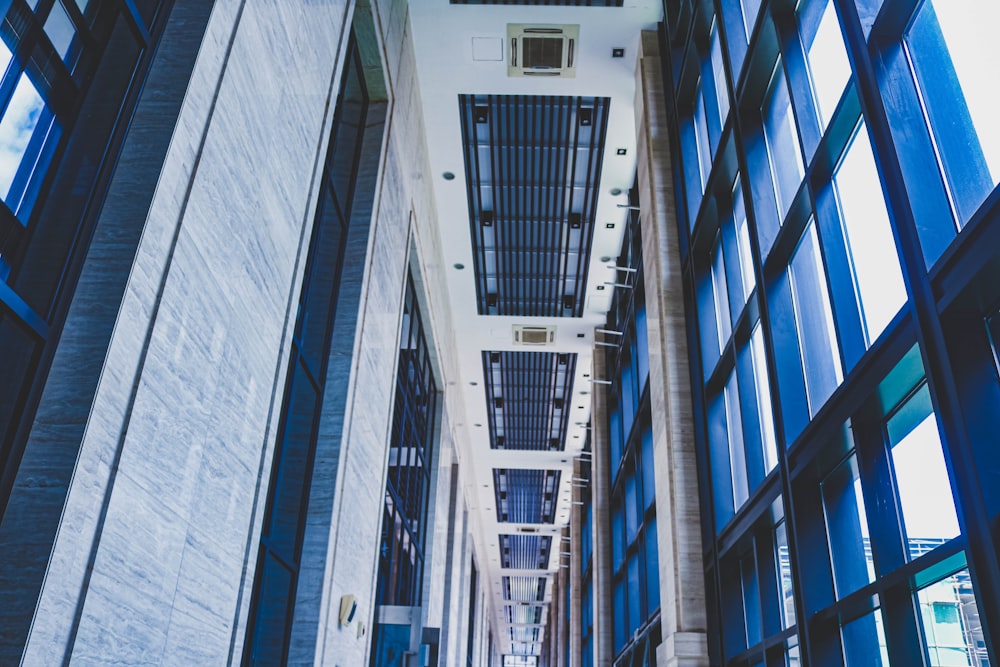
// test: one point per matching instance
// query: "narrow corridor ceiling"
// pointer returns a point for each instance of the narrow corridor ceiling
(527, 233)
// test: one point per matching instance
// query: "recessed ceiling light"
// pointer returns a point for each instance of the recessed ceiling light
(448, 176)
(478, 425)
(605, 259)
(616, 191)
(474, 383)
(618, 52)
(459, 266)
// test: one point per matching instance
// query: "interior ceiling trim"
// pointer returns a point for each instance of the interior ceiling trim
(533, 171)
(525, 496)
(528, 397)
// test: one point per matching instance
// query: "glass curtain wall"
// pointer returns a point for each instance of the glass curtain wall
(840, 248)
(411, 455)
(70, 74)
(635, 581)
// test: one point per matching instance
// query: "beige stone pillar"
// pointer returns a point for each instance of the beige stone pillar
(575, 658)
(682, 588)
(601, 499)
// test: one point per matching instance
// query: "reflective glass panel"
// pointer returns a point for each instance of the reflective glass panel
(16, 129)
(719, 74)
(954, 50)
(814, 321)
(784, 575)
(737, 454)
(864, 641)
(748, 280)
(952, 627)
(829, 67)
(764, 408)
(721, 294)
(847, 527)
(782, 140)
(925, 497)
(877, 273)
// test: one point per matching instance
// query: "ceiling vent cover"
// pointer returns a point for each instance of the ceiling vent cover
(534, 335)
(542, 50)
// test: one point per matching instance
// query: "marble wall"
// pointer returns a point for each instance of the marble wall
(157, 539)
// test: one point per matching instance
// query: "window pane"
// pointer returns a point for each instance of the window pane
(652, 567)
(925, 496)
(60, 30)
(721, 293)
(719, 75)
(782, 140)
(764, 409)
(814, 321)
(16, 129)
(954, 50)
(748, 281)
(877, 273)
(750, 10)
(737, 454)
(751, 600)
(847, 527)
(701, 137)
(829, 67)
(784, 575)
(864, 642)
(952, 628)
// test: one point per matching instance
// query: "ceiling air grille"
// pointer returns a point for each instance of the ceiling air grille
(523, 614)
(525, 496)
(524, 589)
(533, 173)
(525, 552)
(528, 399)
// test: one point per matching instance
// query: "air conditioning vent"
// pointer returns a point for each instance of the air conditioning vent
(542, 50)
(533, 335)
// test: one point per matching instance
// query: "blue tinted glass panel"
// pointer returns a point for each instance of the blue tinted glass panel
(847, 528)
(784, 155)
(864, 642)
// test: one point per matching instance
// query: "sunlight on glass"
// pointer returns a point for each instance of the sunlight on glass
(782, 141)
(925, 496)
(701, 136)
(864, 642)
(60, 30)
(785, 575)
(737, 453)
(764, 409)
(16, 127)
(828, 63)
(952, 626)
(721, 296)
(969, 28)
(743, 239)
(719, 75)
(750, 10)
(878, 276)
(814, 321)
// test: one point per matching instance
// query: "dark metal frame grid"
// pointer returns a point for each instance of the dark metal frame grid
(524, 495)
(525, 552)
(634, 561)
(279, 558)
(941, 336)
(44, 239)
(411, 454)
(533, 173)
(527, 399)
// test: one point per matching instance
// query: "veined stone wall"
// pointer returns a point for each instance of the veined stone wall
(158, 536)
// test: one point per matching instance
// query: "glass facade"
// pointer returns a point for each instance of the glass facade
(70, 75)
(635, 581)
(841, 262)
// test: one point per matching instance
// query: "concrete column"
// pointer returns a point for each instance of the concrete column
(682, 589)
(601, 498)
(557, 614)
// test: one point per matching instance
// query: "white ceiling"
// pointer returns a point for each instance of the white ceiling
(443, 36)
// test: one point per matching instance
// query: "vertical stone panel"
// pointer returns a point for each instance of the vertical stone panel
(682, 589)
(159, 529)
